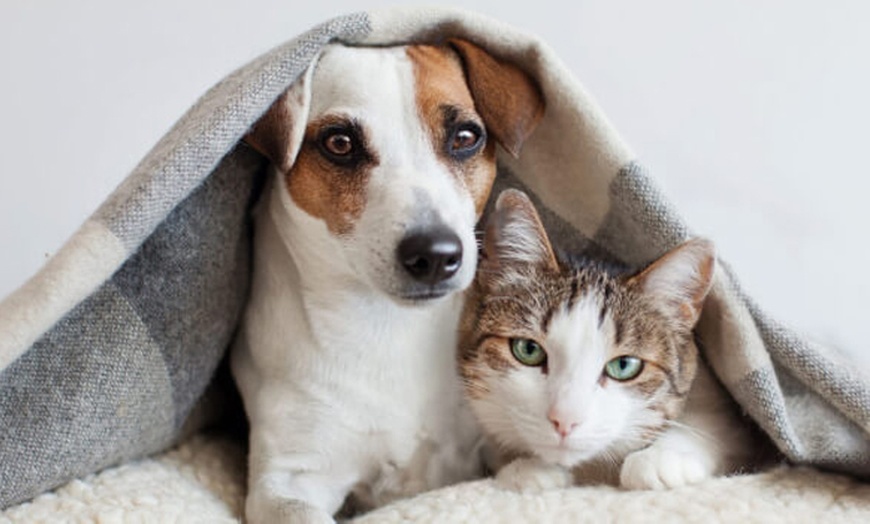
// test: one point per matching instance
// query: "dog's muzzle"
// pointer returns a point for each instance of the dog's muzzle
(430, 257)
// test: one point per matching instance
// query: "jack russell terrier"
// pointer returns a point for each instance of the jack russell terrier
(383, 160)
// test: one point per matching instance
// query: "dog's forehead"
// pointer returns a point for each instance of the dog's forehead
(349, 77)
(362, 79)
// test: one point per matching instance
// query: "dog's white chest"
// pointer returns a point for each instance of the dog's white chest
(400, 393)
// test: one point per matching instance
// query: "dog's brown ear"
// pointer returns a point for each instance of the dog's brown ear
(279, 132)
(508, 99)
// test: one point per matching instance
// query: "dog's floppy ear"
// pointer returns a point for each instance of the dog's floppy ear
(279, 132)
(509, 101)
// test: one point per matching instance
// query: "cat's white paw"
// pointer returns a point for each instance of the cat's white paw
(660, 467)
(532, 475)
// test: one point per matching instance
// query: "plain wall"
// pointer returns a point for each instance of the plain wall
(752, 115)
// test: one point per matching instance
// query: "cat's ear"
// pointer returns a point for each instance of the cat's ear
(681, 278)
(515, 235)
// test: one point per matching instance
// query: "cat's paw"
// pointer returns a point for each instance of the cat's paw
(660, 467)
(532, 475)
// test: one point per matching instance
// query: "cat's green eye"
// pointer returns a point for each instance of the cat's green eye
(528, 352)
(623, 368)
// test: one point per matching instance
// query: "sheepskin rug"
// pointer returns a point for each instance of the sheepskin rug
(203, 480)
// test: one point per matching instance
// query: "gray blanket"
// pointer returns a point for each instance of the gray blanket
(106, 354)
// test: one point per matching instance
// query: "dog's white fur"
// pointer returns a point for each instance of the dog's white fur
(347, 387)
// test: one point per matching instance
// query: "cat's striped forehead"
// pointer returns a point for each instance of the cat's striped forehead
(532, 299)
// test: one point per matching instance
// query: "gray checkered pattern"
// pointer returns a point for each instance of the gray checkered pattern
(119, 375)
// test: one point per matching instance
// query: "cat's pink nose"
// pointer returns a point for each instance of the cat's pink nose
(563, 425)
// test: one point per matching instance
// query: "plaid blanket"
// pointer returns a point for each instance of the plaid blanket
(106, 354)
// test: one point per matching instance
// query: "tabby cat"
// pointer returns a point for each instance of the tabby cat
(580, 372)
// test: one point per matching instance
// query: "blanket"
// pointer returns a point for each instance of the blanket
(106, 354)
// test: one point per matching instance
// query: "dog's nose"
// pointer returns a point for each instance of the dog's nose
(431, 256)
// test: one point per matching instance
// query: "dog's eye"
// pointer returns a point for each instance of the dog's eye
(339, 144)
(465, 141)
(342, 144)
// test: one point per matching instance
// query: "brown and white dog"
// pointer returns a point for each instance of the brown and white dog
(383, 160)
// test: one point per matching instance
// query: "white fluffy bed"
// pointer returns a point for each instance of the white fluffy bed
(203, 481)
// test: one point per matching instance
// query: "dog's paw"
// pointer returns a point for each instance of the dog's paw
(660, 467)
(531, 475)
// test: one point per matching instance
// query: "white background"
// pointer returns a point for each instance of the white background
(753, 116)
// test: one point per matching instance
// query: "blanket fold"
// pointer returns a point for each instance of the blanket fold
(105, 352)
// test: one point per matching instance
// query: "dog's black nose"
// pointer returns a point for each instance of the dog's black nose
(431, 256)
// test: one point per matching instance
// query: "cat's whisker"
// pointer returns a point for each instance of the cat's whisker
(611, 458)
(697, 432)
(708, 438)
(528, 419)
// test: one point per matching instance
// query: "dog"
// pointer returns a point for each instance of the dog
(382, 161)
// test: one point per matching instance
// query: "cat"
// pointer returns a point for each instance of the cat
(582, 372)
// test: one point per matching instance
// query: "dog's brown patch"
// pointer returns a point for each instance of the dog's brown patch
(272, 134)
(333, 193)
(509, 100)
(442, 93)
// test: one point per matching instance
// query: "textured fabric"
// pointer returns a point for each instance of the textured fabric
(117, 375)
(105, 353)
(203, 481)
